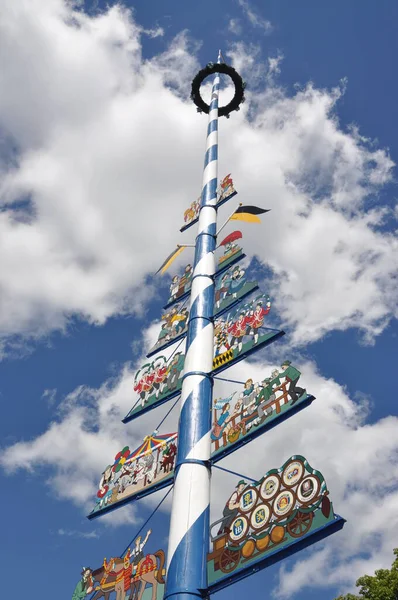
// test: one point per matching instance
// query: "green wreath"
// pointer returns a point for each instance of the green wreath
(210, 69)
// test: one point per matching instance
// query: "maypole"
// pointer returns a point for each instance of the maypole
(264, 520)
(190, 515)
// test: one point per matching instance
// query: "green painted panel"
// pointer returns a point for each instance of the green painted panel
(283, 506)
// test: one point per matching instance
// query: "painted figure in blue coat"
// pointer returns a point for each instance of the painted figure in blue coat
(237, 281)
(221, 422)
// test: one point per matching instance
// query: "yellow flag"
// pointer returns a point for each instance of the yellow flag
(169, 260)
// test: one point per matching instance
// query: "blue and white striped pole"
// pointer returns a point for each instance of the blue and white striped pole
(190, 514)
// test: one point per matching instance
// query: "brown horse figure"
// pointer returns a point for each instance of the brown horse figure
(167, 463)
(110, 577)
(105, 578)
(146, 575)
(192, 212)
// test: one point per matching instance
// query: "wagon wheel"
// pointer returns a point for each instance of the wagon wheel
(300, 524)
(229, 560)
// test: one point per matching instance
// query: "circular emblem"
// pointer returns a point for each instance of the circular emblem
(269, 487)
(293, 473)
(248, 499)
(308, 489)
(284, 503)
(238, 528)
(260, 516)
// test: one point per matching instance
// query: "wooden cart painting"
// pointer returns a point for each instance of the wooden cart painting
(264, 517)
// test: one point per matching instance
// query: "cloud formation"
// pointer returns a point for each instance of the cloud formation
(234, 26)
(254, 18)
(99, 140)
(78, 534)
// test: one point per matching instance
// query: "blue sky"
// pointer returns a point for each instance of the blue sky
(100, 142)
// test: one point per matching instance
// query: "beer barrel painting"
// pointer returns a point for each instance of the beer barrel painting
(262, 519)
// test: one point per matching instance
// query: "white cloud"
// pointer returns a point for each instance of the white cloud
(78, 534)
(49, 396)
(246, 60)
(234, 26)
(108, 157)
(177, 66)
(80, 116)
(155, 32)
(253, 17)
(274, 64)
(334, 266)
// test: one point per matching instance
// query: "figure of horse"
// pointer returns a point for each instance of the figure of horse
(167, 463)
(111, 577)
(191, 212)
(147, 573)
(105, 578)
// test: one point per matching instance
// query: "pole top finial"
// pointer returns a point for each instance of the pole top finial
(220, 57)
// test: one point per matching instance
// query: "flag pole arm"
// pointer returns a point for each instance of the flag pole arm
(227, 221)
(185, 245)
